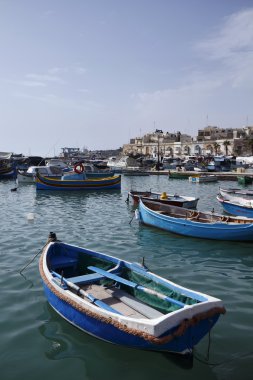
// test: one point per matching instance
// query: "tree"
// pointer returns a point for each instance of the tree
(249, 143)
(226, 143)
(216, 147)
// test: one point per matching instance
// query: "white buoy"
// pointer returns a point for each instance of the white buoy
(30, 216)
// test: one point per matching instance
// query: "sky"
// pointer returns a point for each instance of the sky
(95, 73)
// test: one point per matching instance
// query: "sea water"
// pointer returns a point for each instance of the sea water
(36, 343)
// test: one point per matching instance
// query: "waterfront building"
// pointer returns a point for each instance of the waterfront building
(209, 141)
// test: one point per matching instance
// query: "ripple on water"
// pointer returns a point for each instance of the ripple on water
(40, 343)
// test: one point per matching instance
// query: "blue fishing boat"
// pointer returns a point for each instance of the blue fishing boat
(195, 223)
(237, 206)
(77, 182)
(122, 302)
(7, 171)
(171, 199)
(236, 192)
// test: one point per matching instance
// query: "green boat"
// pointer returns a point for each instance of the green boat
(179, 175)
(244, 180)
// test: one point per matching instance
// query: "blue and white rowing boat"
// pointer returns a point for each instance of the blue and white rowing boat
(236, 205)
(195, 223)
(122, 302)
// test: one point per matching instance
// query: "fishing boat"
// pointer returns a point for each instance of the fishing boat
(176, 200)
(203, 178)
(7, 171)
(135, 172)
(244, 180)
(77, 181)
(29, 175)
(194, 223)
(179, 174)
(122, 302)
(236, 192)
(239, 206)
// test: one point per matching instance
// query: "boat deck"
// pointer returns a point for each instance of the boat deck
(122, 302)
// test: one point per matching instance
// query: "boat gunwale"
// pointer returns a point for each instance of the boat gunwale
(153, 327)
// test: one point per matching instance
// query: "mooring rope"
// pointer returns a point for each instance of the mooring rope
(51, 238)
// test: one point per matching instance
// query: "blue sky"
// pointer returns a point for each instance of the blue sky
(95, 73)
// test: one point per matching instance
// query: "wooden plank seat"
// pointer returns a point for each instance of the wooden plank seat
(139, 306)
(86, 278)
(134, 285)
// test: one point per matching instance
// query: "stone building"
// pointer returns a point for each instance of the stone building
(209, 141)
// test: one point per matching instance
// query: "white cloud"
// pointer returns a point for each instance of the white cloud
(231, 47)
(57, 70)
(80, 70)
(226, 71)
(235, 36)
(45, 78)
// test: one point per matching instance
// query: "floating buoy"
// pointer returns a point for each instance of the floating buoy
(163, 195)
(30, 216)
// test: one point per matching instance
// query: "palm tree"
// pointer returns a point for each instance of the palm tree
(226, 143)
(216, 147)
(249, 144)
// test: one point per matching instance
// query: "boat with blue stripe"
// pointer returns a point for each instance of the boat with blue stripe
(236, 205)
(76, 182)
(122, 302)
(194, 223)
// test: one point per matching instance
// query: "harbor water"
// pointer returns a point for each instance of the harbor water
(36, 343)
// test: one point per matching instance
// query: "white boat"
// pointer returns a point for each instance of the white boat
(238, 197)
(59, 163)
(203, 178)
(46, 171)
(117, 164)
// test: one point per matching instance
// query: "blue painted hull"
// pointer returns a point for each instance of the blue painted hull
(234, 209)
(177, 330)
(8, 174)
(45, 183)
(111, 334)
(186, 227)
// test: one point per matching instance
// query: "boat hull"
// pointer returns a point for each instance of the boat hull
(236, 209)
(7, 173)
(176, 331)
(186, 227)
(175, 200)
(103, 330)
(44, 183)
(203, 179)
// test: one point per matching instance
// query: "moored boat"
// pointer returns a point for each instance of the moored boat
(203, 178)
(77, 182)
(236, 192)
(122, 302)
(239, 206)
(193, 223)
(176, 200)
(29, 175)
(7, 171)
(244, 180)
(179, 174)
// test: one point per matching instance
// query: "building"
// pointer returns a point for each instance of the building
(211, 140)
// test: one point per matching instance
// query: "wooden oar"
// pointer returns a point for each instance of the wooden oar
(132, 284)
(94, 300)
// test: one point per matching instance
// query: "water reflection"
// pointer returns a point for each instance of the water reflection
(66, 341)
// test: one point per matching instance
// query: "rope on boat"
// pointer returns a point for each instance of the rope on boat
(51, 238)
(183, 326)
